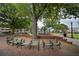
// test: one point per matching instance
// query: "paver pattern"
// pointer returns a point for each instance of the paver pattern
(66, 50)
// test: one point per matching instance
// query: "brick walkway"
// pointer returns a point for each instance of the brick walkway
(8, 50)
(74, 41)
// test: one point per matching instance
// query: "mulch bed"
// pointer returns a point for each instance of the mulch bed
(53, 37)
(46, 37)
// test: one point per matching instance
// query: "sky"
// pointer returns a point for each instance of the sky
(66, 22)
(40, 24)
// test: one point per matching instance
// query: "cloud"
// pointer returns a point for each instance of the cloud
(68, 22)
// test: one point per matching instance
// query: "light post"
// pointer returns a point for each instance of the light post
(78, 23)
(71, 29)
(78, 26)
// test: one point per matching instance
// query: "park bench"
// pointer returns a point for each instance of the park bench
(10, 41)
(35, 44)
(31, 44)
(47, 44)
(27, 43)
(14, 41)
(51, 44)
(56, 43)
(19, 43)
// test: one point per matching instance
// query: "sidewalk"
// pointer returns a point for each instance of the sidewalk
(8, 50)
(74, 41)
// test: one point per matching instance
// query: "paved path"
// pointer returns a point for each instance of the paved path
(74, 41)
(8, 50)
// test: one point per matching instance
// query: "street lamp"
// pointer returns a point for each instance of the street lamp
(78, 26)
(78, 23)
(71, 29)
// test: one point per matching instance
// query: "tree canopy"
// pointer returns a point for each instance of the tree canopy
(22, 15)
(15, 15)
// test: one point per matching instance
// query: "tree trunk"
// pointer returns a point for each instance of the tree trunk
(34, 28)
(34, 23)
(13, 31)
(49, 30)
(44, 30)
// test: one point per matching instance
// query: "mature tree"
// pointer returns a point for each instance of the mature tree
(43, 29)
(12, 15)
(38, 11)
(51, 11)
(61, 27)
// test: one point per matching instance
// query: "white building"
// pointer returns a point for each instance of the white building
(4, 29)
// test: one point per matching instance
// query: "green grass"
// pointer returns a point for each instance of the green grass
(75, 36)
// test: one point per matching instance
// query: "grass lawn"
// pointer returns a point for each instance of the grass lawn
(75, 36)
